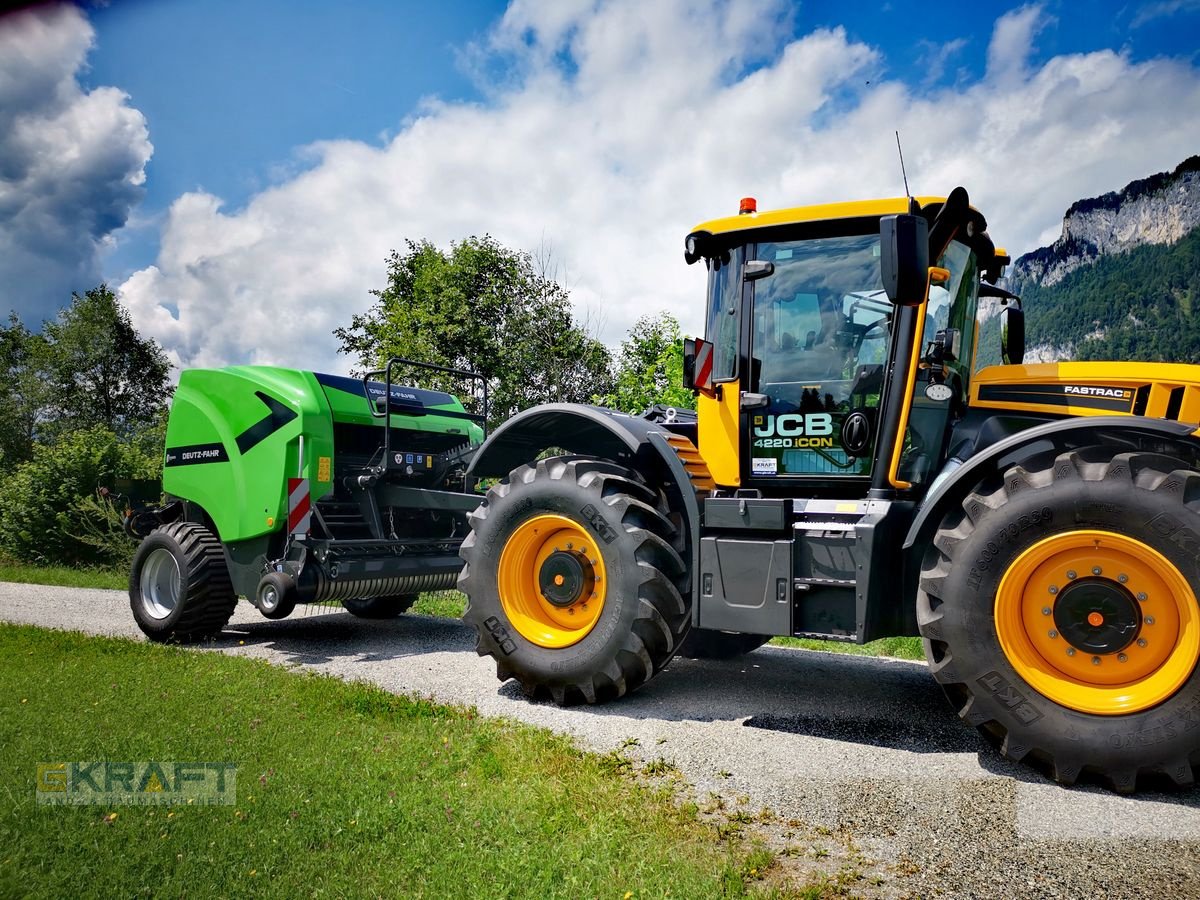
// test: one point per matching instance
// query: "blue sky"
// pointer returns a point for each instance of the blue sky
(240, 170)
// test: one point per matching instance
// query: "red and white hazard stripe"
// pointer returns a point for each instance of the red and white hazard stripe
(702, 370)
(299, 506)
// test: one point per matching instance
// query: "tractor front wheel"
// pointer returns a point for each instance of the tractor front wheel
(1059, 614)
(179, 587)
(574, 585)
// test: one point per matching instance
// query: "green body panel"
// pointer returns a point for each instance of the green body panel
(350, 408)
(246, 496)
(244, 489)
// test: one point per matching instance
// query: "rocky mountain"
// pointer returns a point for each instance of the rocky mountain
(1120, 281)
(1160, 209)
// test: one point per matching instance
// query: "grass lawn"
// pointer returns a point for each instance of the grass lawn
(63, 576)
(342, 790)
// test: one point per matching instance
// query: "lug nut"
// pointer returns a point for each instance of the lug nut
(1095, 660)
(1121, 657)
(1149, 620)
(1053, 589)
(1071, 574)
(1123, 578)
(1045, 610)
(1142, 642)
(1096, 570)
(1142, 596)
(1070, 651)
(1053, 634)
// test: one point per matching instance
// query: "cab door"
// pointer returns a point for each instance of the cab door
(819, 331)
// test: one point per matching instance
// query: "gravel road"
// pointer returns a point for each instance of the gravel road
(865, 748)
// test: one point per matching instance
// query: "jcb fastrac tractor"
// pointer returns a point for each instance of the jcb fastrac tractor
(851, 473)
(293, 487)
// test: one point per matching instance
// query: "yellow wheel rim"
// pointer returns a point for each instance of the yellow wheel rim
(1098, 622)
(552, 581)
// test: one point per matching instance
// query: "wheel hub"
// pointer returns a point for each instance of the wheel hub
(1097, 616)
(159, 583)
(565, 578)
(552, 581)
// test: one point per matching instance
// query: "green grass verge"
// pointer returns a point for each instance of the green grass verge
(62, 576)
(899, 647)
(343, 789)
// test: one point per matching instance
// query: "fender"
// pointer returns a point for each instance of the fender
(631, 441)
(957, 480)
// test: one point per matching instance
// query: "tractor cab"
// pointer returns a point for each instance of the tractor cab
(810, 356)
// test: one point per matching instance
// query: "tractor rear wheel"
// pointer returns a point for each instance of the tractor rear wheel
(179, 587)
(1060, 616)
(703, 643)
(574, 586)
(380, 607)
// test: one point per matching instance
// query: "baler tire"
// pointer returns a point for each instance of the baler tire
(630, 629)
(179, 585)
(1040, 590)
(276, 595)
(388, 607)
(705, 643)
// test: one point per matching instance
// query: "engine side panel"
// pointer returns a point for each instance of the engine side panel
(1167, 391)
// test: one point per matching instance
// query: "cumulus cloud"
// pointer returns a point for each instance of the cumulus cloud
(71, 162)
(611, 128)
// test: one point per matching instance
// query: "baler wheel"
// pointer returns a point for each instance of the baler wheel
(179, 586)
(276, 595)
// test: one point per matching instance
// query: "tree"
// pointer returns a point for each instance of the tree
(485, 308)
(101, 371)
(23, 390)
(649, 368)
(49, 512)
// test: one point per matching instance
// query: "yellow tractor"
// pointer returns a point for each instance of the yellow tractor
(850, 473)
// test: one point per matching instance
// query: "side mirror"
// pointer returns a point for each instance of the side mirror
(1012, 335)
(698, 366)
(904, 258)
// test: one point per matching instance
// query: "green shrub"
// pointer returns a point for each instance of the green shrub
(49, 509)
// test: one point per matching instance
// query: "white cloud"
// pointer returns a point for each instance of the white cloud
(1151, 11)
(613, 127)
(71, 162)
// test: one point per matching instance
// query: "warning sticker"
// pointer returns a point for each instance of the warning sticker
(323, 463)
(764, 465)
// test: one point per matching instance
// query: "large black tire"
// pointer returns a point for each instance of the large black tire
(380, 607)
(179, 587)
(703, 643)
(999, 581)
(643, 614)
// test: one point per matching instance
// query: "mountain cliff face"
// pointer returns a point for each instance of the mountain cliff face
(1160, 209)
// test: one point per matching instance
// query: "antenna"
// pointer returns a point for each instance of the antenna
(907, 192)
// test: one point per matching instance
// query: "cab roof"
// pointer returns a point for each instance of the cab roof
(819, 213)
